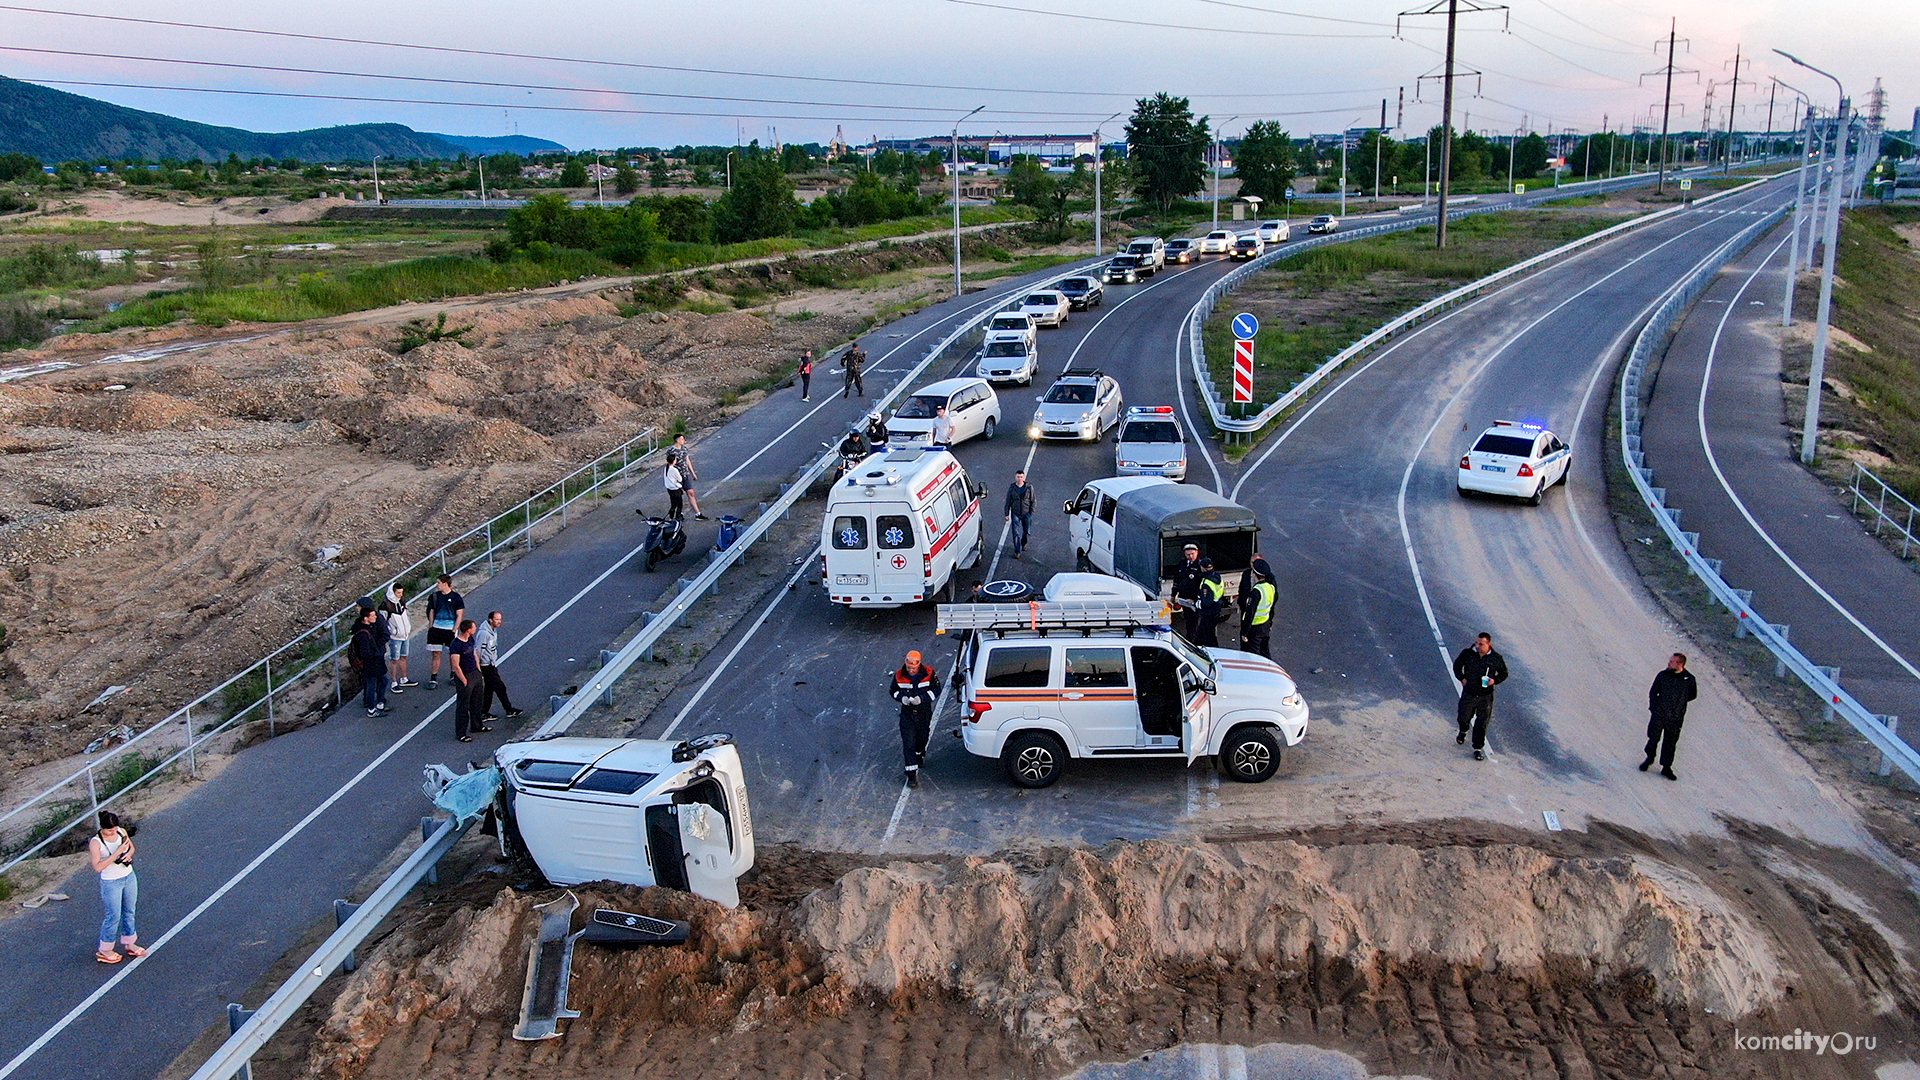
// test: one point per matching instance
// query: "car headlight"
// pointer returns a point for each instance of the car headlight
(1128, 465)
(1086, 416)
(1293, 701)
(1033, 432)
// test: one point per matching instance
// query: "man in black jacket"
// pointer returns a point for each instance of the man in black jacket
(1019, 511)
(1667, 708)
(1479, 670)
(916, 687)
(1186, 589)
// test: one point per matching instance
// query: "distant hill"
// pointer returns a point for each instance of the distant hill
(524, 145)
(54, 126)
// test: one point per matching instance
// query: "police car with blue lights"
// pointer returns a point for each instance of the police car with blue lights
(1514, 459)
(1150, 444)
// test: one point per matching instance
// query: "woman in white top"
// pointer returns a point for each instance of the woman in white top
(111, 855)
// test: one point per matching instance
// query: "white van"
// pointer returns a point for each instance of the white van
(898, 528)
(1113, 681)
(971, 405)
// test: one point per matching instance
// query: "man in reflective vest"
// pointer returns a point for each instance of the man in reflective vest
(1213, 593)
(915, 687)
(1256, 609)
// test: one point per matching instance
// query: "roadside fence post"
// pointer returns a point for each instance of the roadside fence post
(1892, 724)
(93, 793)
(193, 767)
(489, 547)
(237, 1018)
(333, 631)
(267, 666)
(427, 826)
(342, 911)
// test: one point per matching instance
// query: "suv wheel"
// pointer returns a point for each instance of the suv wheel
(1250, 755)
(987, 431)
(1033, 759)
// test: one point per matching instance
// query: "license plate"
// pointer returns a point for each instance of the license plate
(849, 579)
(1494, 468)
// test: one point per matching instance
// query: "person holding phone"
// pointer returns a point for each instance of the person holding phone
(1479, 670)
(110, 853)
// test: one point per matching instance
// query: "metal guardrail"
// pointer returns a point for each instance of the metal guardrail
(1204, 307)
(313, 654)
(1877, 503)
(259, 1026)
(1881, 731)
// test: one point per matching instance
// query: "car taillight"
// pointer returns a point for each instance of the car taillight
(1525, 470)
(979, 709)
(1464, 463)
(926, 564)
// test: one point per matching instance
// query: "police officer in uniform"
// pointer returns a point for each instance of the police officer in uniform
(1256, 608)
(916, 687)
(1186, 589)
(1213, 594)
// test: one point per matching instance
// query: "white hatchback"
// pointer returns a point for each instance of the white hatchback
(1012, 324)
(1518, 460)
(1274, 232)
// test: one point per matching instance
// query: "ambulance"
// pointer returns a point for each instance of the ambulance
(899, 528)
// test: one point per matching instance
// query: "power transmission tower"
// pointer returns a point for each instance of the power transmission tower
(1453, 8)
(1666, 109)
(1733, 103)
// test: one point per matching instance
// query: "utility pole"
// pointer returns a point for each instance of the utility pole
(376, 179)
(1666, 108)
(1453, 8)
(482, 163)
(956, 198)
(1219, 151)
(1098, 154)
(1378, 136)
(1733, 104)
(1816, 374)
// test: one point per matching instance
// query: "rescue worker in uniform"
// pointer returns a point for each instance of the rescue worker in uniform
(1213, 593)
(1256, 608)
(1479, 670)
(916, 687)
(1667, 708)
(1186, 590)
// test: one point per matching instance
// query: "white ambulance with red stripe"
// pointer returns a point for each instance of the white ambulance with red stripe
(1045, 681)
(899, 527)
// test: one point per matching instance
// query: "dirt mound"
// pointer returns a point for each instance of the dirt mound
(63, 536)
(130, 410)
(1497, 960)
(1040, 946)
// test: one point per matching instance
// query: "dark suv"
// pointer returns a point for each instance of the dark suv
(1082, 292)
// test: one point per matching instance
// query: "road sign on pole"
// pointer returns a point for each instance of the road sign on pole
(1243, 370)
(1246, 327)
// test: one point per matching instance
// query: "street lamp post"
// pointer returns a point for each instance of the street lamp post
(1097, 155)
(956, 197)
(1216, 169)
(376, 179)
(1816, 374)
(1343, 163)
(1799, 215)
(599, 185)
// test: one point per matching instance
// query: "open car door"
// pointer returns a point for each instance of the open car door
(1196, 725)
(709, 862)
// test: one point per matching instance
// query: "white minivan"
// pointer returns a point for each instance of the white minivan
(898, 528)
(971, 405)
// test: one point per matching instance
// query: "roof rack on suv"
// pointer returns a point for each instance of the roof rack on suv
(1082, 373)
(1040, 616)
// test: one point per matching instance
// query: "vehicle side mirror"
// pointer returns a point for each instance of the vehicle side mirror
(1209, 686)
(1067, 509)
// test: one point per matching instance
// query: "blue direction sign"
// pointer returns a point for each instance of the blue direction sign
(1246, 327)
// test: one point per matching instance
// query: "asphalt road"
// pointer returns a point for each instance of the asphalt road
(1719, 439)
(237, 869)
(1353, 497)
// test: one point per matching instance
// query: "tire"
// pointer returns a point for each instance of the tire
(1250, 755)
(1566, 478)
(1462, 492)
(987, 431)
(1081, 564)
(1033, 759)
(1534, 499)
(653, 559)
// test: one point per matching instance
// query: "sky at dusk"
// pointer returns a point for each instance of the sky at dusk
(913, 67)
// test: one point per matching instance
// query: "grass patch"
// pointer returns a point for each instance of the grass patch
(1877, 275)
(1312, 306)
(1024, 265)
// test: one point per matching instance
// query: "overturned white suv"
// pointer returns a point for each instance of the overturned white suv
(1040, 683)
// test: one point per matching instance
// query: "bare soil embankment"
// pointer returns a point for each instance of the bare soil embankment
(1432, 950)
(160, 534)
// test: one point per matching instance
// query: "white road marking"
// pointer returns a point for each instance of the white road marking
(806, 563)
(1700, 416)
(240, 875)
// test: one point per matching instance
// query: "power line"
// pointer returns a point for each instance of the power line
(1291, 14)
(1585, 26)
(1577, 41)
(624, 64)
(494, 84)
(520, 106)
(1160, 25)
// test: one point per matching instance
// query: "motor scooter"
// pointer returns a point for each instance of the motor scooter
(666, 536)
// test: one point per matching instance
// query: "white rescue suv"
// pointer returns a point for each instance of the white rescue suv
(1106, 677)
